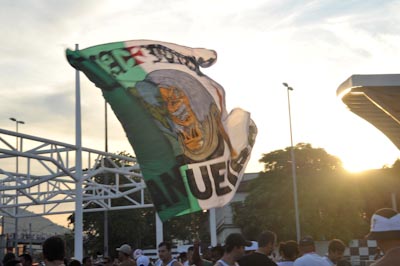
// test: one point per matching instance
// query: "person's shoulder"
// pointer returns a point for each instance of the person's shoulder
(129, 262)
(207, 262)
(327, 261)
(299, 261)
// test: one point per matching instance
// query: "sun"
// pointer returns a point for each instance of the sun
(356, 162)
(355, 167)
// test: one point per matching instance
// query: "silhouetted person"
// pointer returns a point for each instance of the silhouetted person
(165, 255)
(266, 243)
(87, 261)
(53, 251)
(216, 253)
(234, 250)
(25, 259)
(309, 256)
(8, 256)
(289, 251)
(124, 255)
(13, 262)
(336, 250)
(74, 262)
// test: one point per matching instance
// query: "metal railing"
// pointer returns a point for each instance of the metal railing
(44, 182)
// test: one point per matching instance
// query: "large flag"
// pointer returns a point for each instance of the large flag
(192, 154)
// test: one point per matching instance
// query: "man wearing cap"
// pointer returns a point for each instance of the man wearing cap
(234, 250)
(124, 255)
(309, 257)
(266, 243)
(385, 229)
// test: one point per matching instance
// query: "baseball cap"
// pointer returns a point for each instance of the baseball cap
(385, 225)
(254, 246)
(125, 248)
(236, 240)
(306, 241)
(142, 260)
(138, 252)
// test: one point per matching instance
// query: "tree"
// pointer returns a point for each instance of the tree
(379, 187)
(329, 206)
(188, 227)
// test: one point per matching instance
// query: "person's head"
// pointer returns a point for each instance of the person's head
(137, 253)
(107, 261)
(216, 253)
(13, 262)
(266, 242)
(25, 259)
(336, 250)
(189, 253)
(234, 245)
(53, 249)
(74, 262)
(143, 260)
(289, 250)
(306, 245)
(9, 256)
(182, 257)
(385, 228)
(164, 251)
(87, 261)
(124, 252)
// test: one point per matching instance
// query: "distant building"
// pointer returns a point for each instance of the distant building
(224, 215)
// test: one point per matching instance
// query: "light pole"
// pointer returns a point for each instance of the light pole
(17, 122)
(296, 208)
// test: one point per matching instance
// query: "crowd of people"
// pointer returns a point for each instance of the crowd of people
(385, 229)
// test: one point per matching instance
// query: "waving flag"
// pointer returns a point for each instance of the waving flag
(192, 154)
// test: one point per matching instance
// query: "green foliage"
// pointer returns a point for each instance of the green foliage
(188, 227)
(377, 187)
(329, 201)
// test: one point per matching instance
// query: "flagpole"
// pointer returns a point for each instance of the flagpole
(78, 225)
(159, 229)
(213, 227)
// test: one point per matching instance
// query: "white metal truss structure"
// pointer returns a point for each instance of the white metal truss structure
(39, 175)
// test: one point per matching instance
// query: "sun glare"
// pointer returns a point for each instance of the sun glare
(355, 167)
(358, 163)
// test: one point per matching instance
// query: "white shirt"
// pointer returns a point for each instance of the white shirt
(160, 263)
(223, 263)
(329, 261)
(285, 263)
(311, 259)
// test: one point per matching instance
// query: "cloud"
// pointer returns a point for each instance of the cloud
(259, 43)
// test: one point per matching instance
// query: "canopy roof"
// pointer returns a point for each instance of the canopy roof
(376, 98)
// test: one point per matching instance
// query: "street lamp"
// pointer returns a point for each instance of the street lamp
(17, 122)
(296, 208)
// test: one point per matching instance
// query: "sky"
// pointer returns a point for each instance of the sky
(312, 45)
